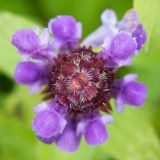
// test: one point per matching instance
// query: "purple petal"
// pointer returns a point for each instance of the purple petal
(130, 77)
(46, 140)
(30, 44)
(27, 41)
(129, 91)
(36, 87)
(107, 29)
(48, 124)
(68, 140)
(27, 73)
(122, 48)
(129, 21)
(96, 39)
(46, 54)
(109, 18)
(66, 31)
(140, 36)
(119, 105)
(108, 41)
(134, 93)
(44, 37)
(95, 133)
(41, 107)
(123, 62)
(61, 109)
(106, 119)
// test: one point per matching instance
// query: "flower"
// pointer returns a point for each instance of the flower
(66, 31)
(79, 82)
(129, 91)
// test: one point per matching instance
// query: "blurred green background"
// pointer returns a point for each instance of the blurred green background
(134, 135)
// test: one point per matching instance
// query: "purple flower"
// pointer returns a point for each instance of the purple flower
(48, 123)
(107, 29)
(31, 74)
(128, 33)
(27, 73)
(66, 31)
(94, 129)
(140, 36)
(69, 141)
(30, 44)
(129, 22)
(78, 83)
(120, 51)
(95, 133)
(109, 18)
(129, 91)
(27, 41)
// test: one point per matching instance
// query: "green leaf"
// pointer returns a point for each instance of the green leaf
(17, 140)
(132, 136)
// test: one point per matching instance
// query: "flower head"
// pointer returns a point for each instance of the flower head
(79, 82)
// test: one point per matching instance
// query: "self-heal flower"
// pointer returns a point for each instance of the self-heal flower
(129, 91)
(78, 82)
(27, 41)
(31, 74)
(48, 123)
(140, 35)
(66, 31)
(128, 33)
(94, 129)
(120, 51)
(32, 44)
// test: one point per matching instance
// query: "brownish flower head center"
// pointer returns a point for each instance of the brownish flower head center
(80, 80)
